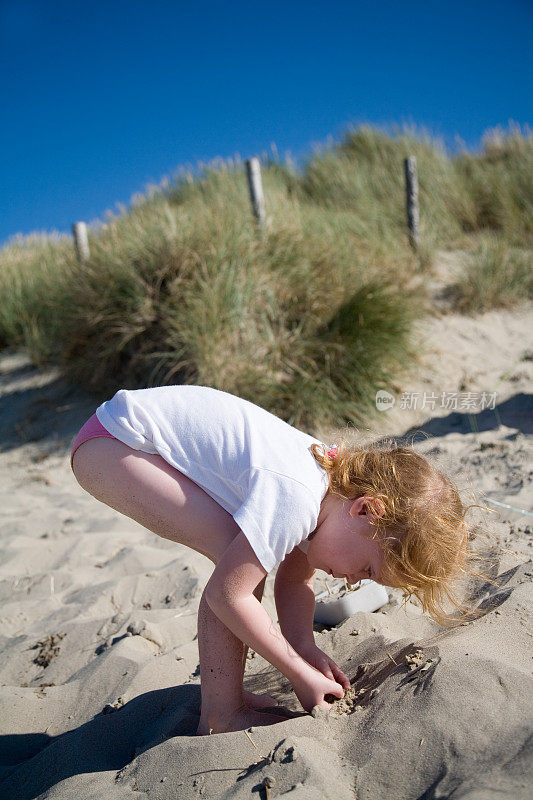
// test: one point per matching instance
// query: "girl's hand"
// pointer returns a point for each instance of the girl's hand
(311, 686)
(321, 661)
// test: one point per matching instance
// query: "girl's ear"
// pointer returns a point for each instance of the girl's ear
(375, 506)
(372, 505)
(369, 505)
(357, 506)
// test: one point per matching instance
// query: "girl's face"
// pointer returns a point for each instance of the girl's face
(343, 545)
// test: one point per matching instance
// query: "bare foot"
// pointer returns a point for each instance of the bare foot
(258, 700)
(245, 717)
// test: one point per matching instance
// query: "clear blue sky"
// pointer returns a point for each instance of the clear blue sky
(100, 99)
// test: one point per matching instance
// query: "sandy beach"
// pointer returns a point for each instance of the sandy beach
(99, 672)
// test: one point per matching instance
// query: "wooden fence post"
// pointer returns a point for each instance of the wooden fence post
(81, 242)
(253, 171)
(411, 196)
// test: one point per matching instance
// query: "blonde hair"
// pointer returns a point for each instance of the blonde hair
(420, 520)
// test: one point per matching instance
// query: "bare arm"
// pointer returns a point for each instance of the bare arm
(229, 594)
(295, 599)
(295, 602)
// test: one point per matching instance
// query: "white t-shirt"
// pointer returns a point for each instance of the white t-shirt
(256, 466)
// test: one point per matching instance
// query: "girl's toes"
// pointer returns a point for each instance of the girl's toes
(259, 700)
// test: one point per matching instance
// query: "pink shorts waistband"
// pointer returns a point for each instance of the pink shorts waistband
(92, 428)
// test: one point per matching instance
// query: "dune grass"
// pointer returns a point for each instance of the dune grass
(309, 317)
(500, 185)
(494, 275)
(33, 270)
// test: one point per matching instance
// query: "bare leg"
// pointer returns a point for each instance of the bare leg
(225, 705)
(222, 665)
(150, 491)
(146, 488)
(220, 669)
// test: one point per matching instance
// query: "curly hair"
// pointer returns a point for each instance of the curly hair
(419, 519)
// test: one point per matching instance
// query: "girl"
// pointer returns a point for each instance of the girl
(229, 479)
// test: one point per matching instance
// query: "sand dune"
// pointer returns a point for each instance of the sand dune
(100, 687)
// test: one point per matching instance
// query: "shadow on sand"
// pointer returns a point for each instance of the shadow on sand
(32, 763)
